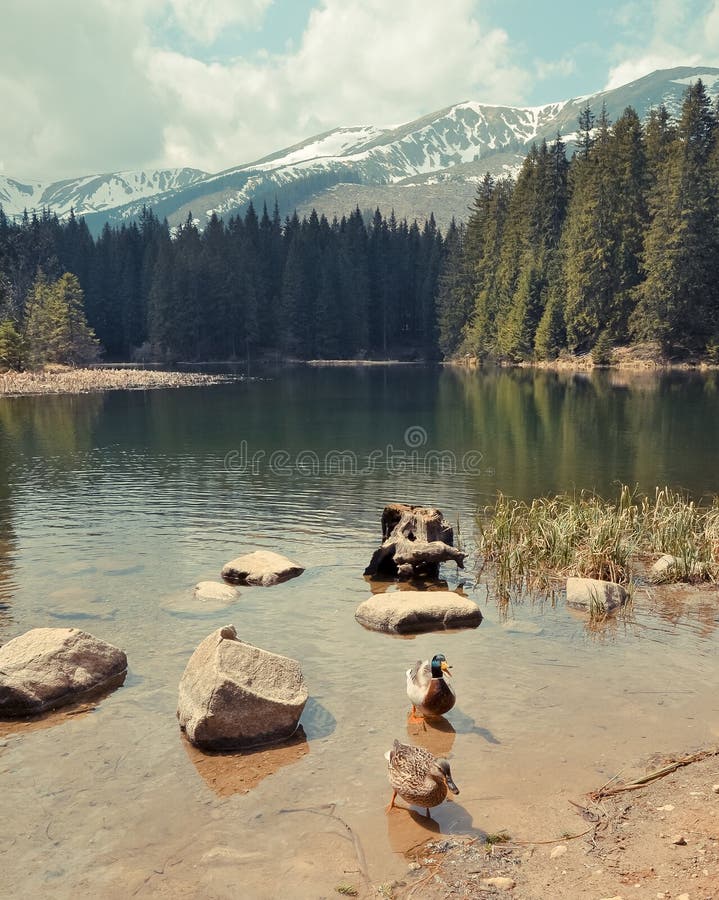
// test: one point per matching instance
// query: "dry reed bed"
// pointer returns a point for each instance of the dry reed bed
(60, 380)
(528, 547)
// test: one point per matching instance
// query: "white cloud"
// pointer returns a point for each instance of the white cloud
(205, 19)
(96, 87)
(359, 62)
(675, 34)
(551, 69)
(631, 69)
(74, 93)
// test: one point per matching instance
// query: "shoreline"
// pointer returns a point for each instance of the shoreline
(644, 358)
(656, 835)
(62, 380)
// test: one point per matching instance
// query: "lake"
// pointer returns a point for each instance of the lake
(112, 506)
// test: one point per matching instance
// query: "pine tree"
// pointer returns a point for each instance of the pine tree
(13, 349)
(678, 299)
(480, 333)
(589, 243)
(454, 292)
(56, 329)
(585, 132)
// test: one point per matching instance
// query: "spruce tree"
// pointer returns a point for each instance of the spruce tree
(678, 298)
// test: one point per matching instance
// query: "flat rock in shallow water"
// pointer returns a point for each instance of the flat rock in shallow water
(415, 611)
(49, 667)
(263, 567)
(235, 695)
(215, 591)
(518, 626)
(594, 595)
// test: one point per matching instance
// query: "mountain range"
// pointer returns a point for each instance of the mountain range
(432, 164)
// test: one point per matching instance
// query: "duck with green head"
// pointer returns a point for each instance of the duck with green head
(428, 689)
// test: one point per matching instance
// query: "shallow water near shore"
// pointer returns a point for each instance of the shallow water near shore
(113, 506)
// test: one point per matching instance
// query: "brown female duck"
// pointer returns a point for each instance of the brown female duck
(417, 776)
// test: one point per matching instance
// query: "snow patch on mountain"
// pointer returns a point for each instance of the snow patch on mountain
(93, 193)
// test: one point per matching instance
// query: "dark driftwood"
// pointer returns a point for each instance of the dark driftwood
(415, 540)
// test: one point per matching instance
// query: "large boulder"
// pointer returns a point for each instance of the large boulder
(235, 695)
(595, 596)
(49, 667)
(263, 567)
(405, 612)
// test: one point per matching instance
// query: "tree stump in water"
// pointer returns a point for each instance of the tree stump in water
(415, 540)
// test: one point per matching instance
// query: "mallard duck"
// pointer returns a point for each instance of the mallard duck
(417, 776)
(431, 694)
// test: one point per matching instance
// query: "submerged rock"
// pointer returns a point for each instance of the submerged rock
(235, 695)
(414, 611)
(49, 667)
(595, 595)
(263, 567)
(215, 592)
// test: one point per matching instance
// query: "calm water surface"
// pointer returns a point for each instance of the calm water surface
(113, 506)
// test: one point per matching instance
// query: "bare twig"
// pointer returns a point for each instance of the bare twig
(330, 814)
(652, 776)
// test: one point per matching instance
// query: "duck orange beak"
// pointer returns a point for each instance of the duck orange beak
(446, 668)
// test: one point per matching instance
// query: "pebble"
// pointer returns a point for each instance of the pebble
(667, 807)
(679, 840)
(413, 866)
(503, 884)
(715, 788)
(683, 897)
(558, 851)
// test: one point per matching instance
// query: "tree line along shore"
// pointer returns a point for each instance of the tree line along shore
(617, 245)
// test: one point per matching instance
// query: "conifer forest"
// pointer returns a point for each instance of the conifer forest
(617, 244)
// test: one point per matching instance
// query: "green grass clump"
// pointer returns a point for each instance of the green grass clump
(528, 547)
(500, 838)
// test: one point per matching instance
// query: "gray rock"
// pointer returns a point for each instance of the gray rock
(663, 567)
(235, 695)
(517, 626)
(263, 567)
(215, 592)
(594, 595)
(668, 567)
(49, 667)
(413, 611)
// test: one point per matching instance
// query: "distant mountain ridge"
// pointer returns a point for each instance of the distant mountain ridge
(430, 164)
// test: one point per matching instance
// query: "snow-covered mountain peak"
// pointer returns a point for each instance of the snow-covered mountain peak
(448, 149)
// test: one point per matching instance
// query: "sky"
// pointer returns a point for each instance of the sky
(96, 86)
